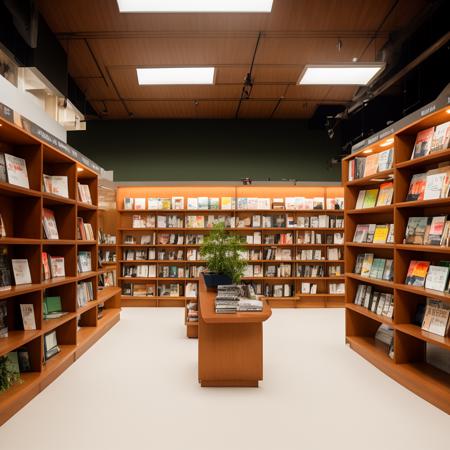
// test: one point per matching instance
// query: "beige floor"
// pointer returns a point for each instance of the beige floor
(137, 389)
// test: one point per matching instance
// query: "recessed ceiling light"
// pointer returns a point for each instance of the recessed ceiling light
(176, 75)
(387, 143)
(448, 111)
(80, 169)
(369, 150)
(351, 74)
(195, 6)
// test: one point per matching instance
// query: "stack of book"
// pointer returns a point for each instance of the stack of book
(376, 197)
(365, 166)
(431, 140)
(428, 231)
(374, 233)
(431, 185)
(227, 299)
(250, 305)
(381, 303)
(424, 274)
(192, 312)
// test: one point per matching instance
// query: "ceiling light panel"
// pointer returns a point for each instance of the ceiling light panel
(175, 75)
(195, 6)
(352, 74)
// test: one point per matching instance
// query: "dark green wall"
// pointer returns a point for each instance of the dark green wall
(205, 150)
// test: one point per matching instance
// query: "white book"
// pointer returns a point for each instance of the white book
(140, 203)
(360, 200)
(16, 168)
(21, 271)
(192, 203)
(437, 278)
(434, 185)
(28, 319)
(153, 203)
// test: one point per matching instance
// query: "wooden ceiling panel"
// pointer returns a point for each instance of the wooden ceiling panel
(236, 74)
(96, 88)
(268, 91)
(173, 52)
(126, 82)
(215, 109)
(114, 109)
(257, 109)
(161, 109)
(289, 109)
(321, 93)
(276, 74)
(80, 61)
(286, 15)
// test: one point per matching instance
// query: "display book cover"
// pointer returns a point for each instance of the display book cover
(16, 170)
(417, 273)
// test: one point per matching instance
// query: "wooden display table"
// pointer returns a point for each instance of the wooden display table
(230, 346)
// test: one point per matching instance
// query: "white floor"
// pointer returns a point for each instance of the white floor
(137, 389)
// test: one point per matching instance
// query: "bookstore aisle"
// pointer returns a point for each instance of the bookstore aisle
(134, 389)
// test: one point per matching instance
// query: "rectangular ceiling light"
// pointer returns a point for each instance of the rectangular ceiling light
(195, 6)
(351, 74)
(176, 75)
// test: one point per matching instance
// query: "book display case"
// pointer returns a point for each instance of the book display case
(323, 297)
(22, 211)
(411, 359)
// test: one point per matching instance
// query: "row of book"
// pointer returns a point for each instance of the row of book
(428, 231)
(106, 238)
(230, 203)
(370, 267)
(372, 233)
(154, 271)
(364, 166)
(431, 185)
(430, 276)
(431, 140)
(84, 229)
(56, 184)
(85, 293)
(106, 257)
(84, 261)
(13, 270)
(370, 198)
(381, 303)
(107, 279)
(160, 290)
(52, 266)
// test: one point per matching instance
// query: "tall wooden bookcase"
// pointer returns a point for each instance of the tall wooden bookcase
(322, 299)
(22, 212)
(409, 365)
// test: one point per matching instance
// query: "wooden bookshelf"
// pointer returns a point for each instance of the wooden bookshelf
(22, 212)
(322, 299)
(409, 365)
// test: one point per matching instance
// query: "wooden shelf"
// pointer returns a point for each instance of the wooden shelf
(368, 280)
(424, 203)
(375, 179)
(369, 245)
(374, 210)
(22, 213)
(17, 339)
(366, 312)
(409, 367)
(417, 332)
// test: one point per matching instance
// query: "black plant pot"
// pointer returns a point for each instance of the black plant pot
(212, 279)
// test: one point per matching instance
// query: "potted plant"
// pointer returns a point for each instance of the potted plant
(9, 371)
(222, 252)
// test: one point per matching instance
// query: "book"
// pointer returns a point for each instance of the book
(370, 198)
(3, 319)
(49, 223)
(21, 271)
(177, 202)
(57, 267)
(140, 203)
(371, 166)
(416, 187)
(16, 169)
(437, 278)
(361, 232)
(436, 184)
(52, 307)
(360, 199)
(3, 174)
(441, 137)
(5, 270)
(84, 193)
(386, 193)
(385, 160)
(415, 230)
(28, 319)
(436, 231)
(56, 184)
(367, 265)
(46, 266)
(51, 347)
(417, 273)
(2, 227)
(422, 146)
(381, 234)
(24, 360)
(436, 318)
(128, 203)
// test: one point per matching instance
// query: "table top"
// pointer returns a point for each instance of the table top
(209, 315)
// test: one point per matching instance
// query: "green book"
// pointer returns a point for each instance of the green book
(53, 307)
(370, 199)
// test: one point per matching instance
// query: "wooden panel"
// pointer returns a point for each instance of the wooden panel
(96, 88)
(114, 109)
(325, 93)
(80, 61)
(268, 91)
(215, 109)
(174, 51)
(292, 109)
(257, 109)
(161, 109)
(276, 74)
